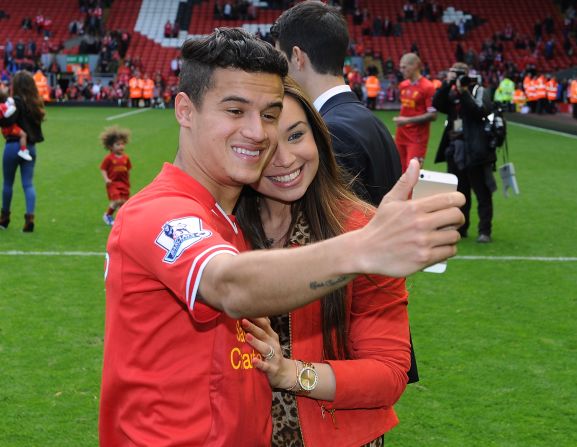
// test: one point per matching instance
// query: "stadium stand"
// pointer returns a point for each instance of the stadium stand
(56, 18)
(125, 14)
(432, 38)
(145, 20)
(151, 52)
(148, 17)
(152, 16)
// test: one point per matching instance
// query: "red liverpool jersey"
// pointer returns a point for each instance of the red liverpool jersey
(117, 168)
(416, 99)
(176, 372)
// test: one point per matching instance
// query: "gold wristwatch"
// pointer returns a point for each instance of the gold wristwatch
(307, 377)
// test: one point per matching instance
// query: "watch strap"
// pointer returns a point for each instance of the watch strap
(307, 365)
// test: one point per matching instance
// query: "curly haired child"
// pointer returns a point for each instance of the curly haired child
(115, 169)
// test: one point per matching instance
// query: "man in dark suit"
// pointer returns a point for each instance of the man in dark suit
(314, 38)
(363, 146)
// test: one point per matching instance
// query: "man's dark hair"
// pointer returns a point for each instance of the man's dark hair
(225, 48)
(319, 30)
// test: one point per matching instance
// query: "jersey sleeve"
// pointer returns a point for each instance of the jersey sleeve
(105, 164)
(173, 240)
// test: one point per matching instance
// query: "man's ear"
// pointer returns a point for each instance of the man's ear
(298, 58)
(184, 109)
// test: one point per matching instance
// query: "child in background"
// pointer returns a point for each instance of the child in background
(7, 108)
(115, 168)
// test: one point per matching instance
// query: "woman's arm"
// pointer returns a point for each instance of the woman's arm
(378, 341)
(282, 372)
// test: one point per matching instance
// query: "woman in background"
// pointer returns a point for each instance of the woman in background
(28, 115)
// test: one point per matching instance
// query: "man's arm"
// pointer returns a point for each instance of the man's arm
(419, 119)
(105, 176)
(402, 238)
(441, 98)
(477, 106)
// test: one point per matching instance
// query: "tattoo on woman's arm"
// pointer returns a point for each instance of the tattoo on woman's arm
(329, 282)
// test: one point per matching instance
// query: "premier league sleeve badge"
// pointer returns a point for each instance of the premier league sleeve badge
(178, 235)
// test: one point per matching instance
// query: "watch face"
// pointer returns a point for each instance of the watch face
(308, 378)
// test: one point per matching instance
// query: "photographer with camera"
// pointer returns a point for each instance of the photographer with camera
(465, 145)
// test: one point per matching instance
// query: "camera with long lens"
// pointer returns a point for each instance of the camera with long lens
(462, 77)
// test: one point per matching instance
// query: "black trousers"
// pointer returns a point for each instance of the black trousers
(413, 372)
(478, 179)
(372, 103)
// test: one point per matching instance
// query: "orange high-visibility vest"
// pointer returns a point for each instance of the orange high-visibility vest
(519, 97)
(540, 89)
(147, 88)
(42, 85)
(551, 87)
(135, 87)
(82, 74)
(526, 82)
(530, 91)
(373, 86)
(573, 92)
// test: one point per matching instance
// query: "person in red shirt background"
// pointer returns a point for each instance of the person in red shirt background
(355, 81)
(115, 169)
(417, 111)
(168, 29)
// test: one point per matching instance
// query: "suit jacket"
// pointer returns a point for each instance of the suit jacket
(366, 149)
(362, 145)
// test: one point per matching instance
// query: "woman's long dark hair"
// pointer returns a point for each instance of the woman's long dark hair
(23, 86)
(325, 206)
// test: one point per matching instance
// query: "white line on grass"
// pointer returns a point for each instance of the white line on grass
(540, 129)
(464, 258)
(517, 258)
(50, 253)
(122, 115)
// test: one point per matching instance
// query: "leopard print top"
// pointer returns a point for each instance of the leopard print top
(286, 427)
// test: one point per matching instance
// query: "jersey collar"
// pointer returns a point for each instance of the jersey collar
(189, 186)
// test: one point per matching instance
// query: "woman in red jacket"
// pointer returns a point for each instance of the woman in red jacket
(338, 365)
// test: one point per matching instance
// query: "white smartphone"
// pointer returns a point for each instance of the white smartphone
(429, 184)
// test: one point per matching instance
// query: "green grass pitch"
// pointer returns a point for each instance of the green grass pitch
(495, 338)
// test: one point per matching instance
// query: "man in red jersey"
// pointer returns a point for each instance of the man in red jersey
(417, 111)
(177, 370)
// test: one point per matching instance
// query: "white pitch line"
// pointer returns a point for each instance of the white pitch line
(50, 253)
(462, 258)
(122, 115)
(516, 258)
(540, 129)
